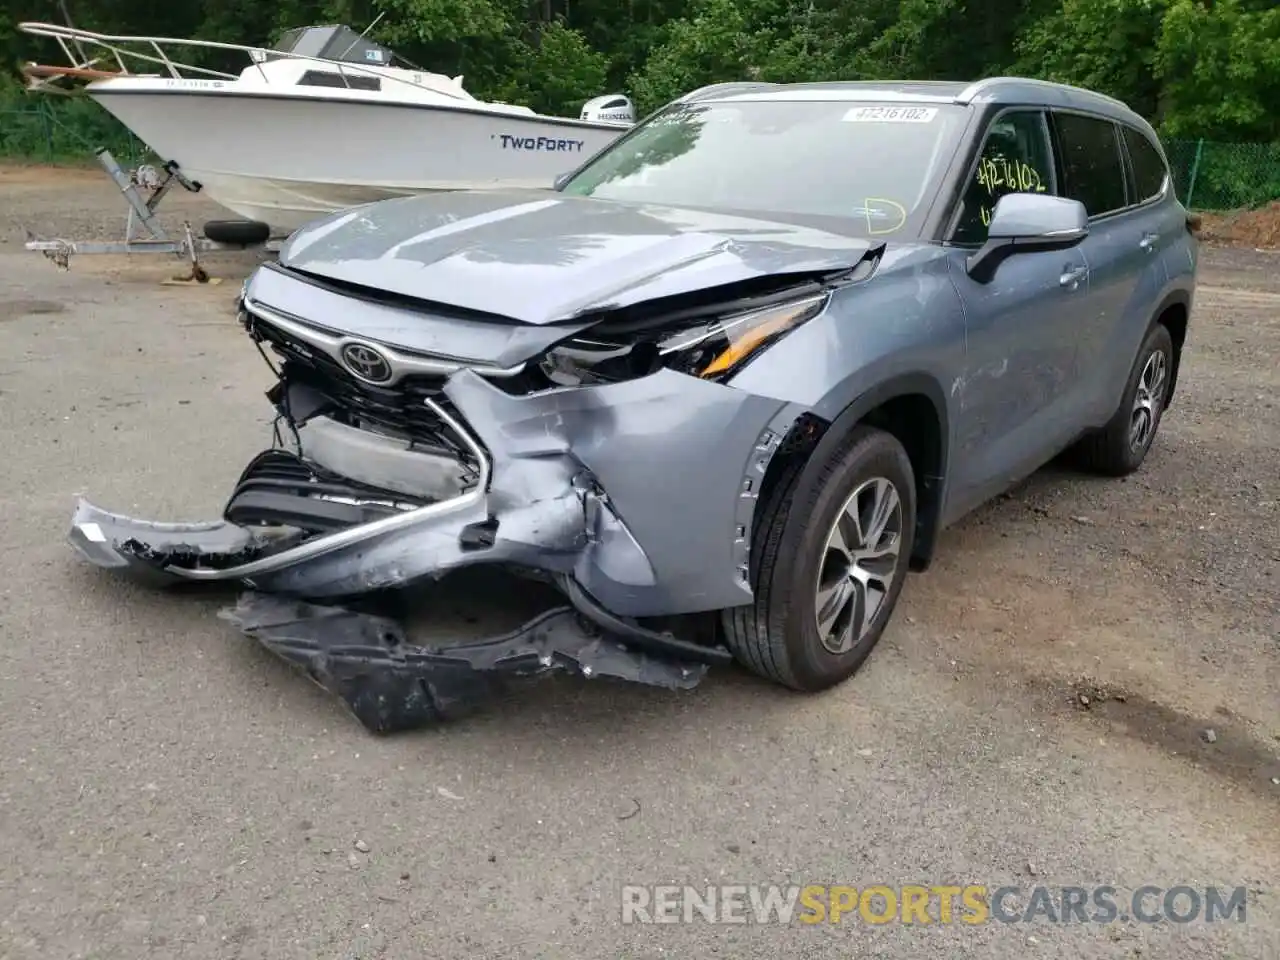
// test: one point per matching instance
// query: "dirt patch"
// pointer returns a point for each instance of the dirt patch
(1225, 745)
(43, 176)
(1259, 229)
(13, 309)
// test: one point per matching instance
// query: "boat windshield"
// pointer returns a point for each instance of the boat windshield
(865, 168)
(340, 43)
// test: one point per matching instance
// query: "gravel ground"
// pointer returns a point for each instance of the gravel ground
(1039, 712)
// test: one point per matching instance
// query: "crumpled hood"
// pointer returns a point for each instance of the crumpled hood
(540, 257)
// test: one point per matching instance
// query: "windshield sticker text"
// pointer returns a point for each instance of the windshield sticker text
(546, 144)
(891, 115)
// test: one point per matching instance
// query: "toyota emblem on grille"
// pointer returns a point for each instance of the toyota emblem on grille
(366, 363)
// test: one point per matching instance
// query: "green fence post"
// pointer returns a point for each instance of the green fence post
(43, 109)
(1195, 169)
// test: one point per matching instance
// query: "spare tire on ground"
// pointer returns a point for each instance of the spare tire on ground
(246, 233)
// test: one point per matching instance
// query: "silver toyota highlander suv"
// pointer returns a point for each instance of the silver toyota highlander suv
(723, 386)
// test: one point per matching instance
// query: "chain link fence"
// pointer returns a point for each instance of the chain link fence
(1224, 176)
(1206, 175)
(48, 130)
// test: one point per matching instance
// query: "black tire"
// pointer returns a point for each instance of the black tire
(241, 233)
(1112, 451)
(777, 636)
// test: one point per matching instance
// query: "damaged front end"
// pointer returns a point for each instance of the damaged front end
(413, 442)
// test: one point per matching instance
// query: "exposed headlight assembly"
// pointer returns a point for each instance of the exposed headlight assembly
(711, 347)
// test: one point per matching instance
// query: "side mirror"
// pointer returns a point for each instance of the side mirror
(561, 180)
(1028, 223)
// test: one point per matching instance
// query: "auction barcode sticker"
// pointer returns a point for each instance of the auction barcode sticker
(891, 115)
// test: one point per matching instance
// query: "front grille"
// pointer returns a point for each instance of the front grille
(397, 409)
(280, 489)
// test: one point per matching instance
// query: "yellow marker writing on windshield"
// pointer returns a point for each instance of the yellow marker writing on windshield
(897, 224)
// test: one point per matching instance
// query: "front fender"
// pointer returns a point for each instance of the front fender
(900, 334)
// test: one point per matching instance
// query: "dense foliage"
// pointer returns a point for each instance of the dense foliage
(1199, 68)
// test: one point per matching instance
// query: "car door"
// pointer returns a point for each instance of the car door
(1121, 251)
(1021, 326)
(1159, 224)
(1162, 217)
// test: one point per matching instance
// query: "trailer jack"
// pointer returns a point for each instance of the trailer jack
(143, 230)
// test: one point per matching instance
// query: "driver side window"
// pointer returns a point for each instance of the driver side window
(1016, 158)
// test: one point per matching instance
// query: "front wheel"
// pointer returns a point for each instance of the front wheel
(829, 556)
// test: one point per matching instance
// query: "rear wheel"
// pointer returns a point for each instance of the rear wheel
(829, 557)
(1121, 446)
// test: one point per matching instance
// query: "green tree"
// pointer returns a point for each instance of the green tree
(563, 71)
(1220, 67)
(1105, 45)
(713, 44)
(1197, 68)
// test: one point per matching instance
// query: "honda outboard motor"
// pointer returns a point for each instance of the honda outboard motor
(611, 108)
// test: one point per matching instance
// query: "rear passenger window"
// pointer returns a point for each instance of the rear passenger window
(1092, 169)
(1015, 158)
(1148, 166)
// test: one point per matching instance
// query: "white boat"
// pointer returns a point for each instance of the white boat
(325, 120)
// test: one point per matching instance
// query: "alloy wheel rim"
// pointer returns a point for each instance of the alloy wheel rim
(1147, 400)
(859, 560)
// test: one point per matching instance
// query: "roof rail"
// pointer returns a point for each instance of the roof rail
(732, 85)
(975, 89)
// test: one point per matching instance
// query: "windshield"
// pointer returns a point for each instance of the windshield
(871, 167)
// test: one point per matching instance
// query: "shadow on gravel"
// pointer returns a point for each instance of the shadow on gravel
(1225, 746)
(17, 309)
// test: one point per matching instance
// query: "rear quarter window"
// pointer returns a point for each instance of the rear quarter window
(1092, 167)
(1149, 171)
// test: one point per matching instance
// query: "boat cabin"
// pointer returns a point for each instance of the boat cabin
(340, 45)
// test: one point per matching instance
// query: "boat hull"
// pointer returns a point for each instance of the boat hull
(287, 205)
(286, 159)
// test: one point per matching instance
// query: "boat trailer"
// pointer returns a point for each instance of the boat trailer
(143, 230)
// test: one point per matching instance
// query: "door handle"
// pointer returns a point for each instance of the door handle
(1148, 241)
(1072, 276)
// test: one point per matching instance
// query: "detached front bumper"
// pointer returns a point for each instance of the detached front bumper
(636, 498)
(391, 684)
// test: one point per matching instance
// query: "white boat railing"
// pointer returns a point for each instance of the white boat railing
(112, 47)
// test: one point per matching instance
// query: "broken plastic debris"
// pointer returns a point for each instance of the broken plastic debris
(391, 684)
